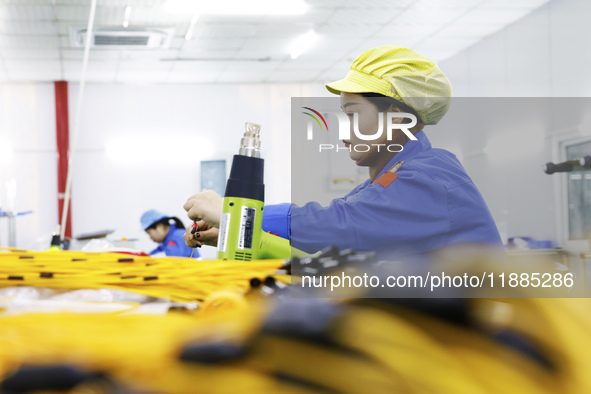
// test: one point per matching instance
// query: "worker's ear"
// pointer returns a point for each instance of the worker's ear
(394, 108)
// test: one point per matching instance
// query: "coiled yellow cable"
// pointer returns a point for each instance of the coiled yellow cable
(177, 279)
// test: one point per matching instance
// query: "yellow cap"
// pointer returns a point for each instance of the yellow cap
(403, 74)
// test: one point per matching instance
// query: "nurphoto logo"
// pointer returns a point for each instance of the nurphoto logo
(344, 126)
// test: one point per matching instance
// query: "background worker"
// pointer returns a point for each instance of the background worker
(430, 202)
(168, 233)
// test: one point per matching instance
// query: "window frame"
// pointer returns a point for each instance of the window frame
(560, 181)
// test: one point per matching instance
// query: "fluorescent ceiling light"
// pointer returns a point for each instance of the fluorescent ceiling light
(127, 15)
(303, 43)
(237, 7)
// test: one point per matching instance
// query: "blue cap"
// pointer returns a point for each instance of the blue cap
(150, 217)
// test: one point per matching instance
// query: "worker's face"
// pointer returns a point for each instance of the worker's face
(157, 234)
(368, 124)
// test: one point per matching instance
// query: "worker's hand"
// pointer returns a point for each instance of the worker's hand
(205, 235)
(206, 206)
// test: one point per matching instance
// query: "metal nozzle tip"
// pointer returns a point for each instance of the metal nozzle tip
(250, 145)
(252, 129)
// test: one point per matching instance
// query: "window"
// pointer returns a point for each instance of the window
(579, 194)
(213, 176)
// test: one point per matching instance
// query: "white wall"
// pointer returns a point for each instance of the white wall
(545, 54)
(28, 155)
(167, 130)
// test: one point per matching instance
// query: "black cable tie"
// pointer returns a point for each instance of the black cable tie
(46, 275)
(255, 283)
(150, 277)
(303, 319)
(45, 378)
(25, 257)
(15, 277)
(125, 260)
(213, 353)
(329, 251)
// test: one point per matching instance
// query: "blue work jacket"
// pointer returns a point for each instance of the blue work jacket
(174, 244)
(431, 203)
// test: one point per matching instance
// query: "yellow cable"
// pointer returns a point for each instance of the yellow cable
(371, 350)
(177, 279)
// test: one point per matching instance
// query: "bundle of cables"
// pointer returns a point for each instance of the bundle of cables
(176, 279)
(283, 344)
(309, 346)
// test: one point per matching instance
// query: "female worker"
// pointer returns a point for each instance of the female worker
(428, 203)
(168, 232)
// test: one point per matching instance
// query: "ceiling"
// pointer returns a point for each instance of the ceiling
(35, 40)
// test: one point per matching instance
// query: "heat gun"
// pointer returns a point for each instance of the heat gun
(241, 236)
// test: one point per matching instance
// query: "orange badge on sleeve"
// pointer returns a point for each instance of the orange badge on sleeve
(171, 243)
(386, 179)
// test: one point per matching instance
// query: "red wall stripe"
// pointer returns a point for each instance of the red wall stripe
(63, 142)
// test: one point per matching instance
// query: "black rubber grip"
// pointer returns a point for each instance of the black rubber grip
(551, 168)
(246, 178)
